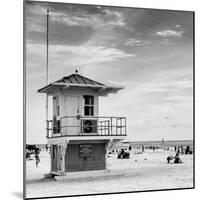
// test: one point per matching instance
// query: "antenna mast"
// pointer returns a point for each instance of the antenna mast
(47, 63)
(47, 58)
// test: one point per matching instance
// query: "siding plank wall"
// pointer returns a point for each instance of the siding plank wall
(73, 161)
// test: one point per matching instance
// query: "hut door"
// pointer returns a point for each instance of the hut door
(71, 111)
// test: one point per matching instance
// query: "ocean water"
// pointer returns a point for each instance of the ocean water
(164, 144)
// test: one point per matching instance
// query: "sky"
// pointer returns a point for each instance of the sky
(149, 52)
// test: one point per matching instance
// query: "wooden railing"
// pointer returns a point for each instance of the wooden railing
(86, 126)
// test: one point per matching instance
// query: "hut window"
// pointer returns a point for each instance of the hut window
(56, 106)
(58, 110)
(88, 105)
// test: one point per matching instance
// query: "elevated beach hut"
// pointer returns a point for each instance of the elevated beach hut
(79, 138)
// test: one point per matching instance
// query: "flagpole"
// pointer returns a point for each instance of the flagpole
(47, 57)
(47, 70)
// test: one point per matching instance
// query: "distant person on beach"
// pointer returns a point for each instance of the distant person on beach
(188, 150)
(46, 147)
(175, 148)
(177, 159)
(169, 158)
(122, 151)
(37, 158)
(142, 148)
(129, 148)
(178, 150)
(28, 156)
(181, 149)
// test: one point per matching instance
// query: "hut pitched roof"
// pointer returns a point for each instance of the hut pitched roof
(78, 81)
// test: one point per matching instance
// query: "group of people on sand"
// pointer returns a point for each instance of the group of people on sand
(176, 159)
(179, 150)
(32, 149)
(182, 150)
(123, 154)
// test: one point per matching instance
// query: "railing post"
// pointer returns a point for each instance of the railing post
(101, 127)
(116, 126)
(111, 125)
(121, 126)
(61, 125)
(125, 125)
(108, 127)
(47, 124)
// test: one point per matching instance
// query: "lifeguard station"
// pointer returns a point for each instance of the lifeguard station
(79, 138)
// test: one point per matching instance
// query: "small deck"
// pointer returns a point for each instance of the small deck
(87, 126)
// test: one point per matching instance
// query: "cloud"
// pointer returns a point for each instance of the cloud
(105, 18)
(141, 42)
(36, 9)
(36, 27)
(178, 26)
(80, 55)
(74, 26)
(165, 42)
(169, 33)
(97, 54)
(161, 86)
(138, 42)
(118, 19)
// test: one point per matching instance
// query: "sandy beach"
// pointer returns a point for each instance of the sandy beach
(143, 171)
